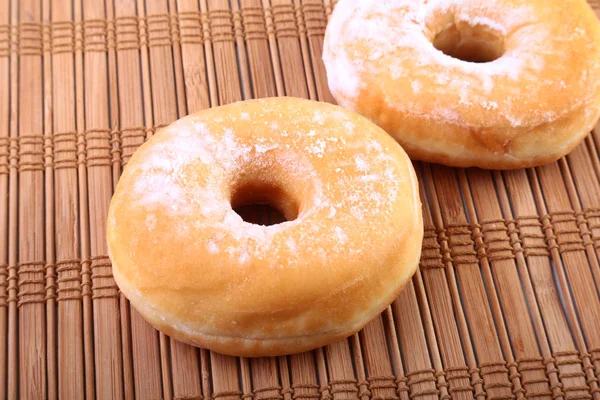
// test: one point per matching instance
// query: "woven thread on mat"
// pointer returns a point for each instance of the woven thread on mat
(156, 30)
(30, 39)
(64, 146)
(304, 391)
(97, 150)
(496, 242)
(227, 393)
(254, 23)
(592, 218)
(31, 282)
(69, 280)
(283, 21)
(259, 393)
(442, 385)
(31, 153)
(221, 26)
(50, 279)
(190, 27)
(3, 285)
(496, 367)
(588, 367)
(300, 20)
(556, 388)
(454, 374)
(461, 246)
(103, 284)
(570, 388)
(526, 366)
(5, 39)
(431, 255)
(129, 140)
(340, 386)
(4, 155)
(566, 231)
(533, 243)
(315, 18)
(381, 382)
(414, 379)
(325, 392)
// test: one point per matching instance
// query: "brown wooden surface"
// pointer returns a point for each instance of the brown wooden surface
(506, 303)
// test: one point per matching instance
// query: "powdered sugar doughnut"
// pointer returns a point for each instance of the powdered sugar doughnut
(488, 83)
(198, 272)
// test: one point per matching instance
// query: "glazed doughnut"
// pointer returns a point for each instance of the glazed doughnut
(201, 274)
(497, 84)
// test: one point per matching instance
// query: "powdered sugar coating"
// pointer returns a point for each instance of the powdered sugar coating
(397, 36)
(381, 62)
(203, 275)
(187, 171)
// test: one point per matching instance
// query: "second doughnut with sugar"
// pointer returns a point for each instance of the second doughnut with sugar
(489, 83)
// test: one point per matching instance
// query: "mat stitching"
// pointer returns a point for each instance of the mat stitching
(315, 18)
(336, 382)
(594, 227)
(589, 368)
(100, 288)
(256, 391)
(217, 395)
(4, 285)
(50, 280)
(308, 386)
(414, 380)
(540, 365)
(461, 251)
(300, 20)
(441, 382)
(238, 28)
(576, 358)
(557, 237)
(497, 367)
(401, 385)
(431, 256)
(381, 382)
(32, 148)
(494, 248)
(68, 292)
(254, 23)
(64, 145)
(456, 373)
(5, 40)
(4, 156)
(12, 278)
(282, 22)
(125, 32)
(221, 26)
(532, 244)
(190, 27)
(29, 290)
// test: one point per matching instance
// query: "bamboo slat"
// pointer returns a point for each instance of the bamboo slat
(505, 305)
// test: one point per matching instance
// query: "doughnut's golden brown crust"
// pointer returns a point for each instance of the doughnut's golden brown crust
(531, 106)
(196, 271)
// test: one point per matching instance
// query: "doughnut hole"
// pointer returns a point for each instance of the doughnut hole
(470, 43)
(265, 192)
(262, 203)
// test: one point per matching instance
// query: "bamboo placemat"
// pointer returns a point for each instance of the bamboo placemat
(505, 305)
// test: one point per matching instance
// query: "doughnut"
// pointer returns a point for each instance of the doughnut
(201, 274)
(497, 84)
